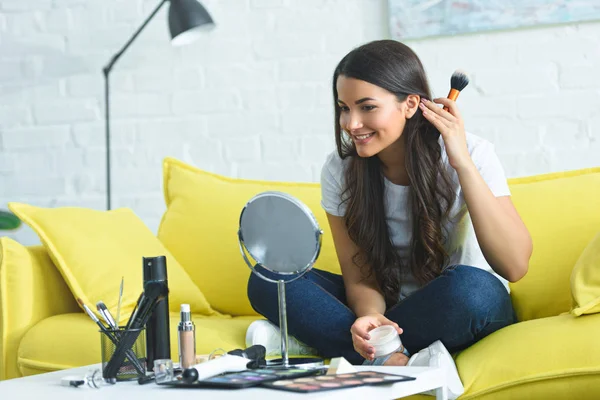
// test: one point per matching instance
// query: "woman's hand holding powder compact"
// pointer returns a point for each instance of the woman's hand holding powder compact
(360, 333)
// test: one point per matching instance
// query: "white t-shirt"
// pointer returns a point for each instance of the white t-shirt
(461, 243)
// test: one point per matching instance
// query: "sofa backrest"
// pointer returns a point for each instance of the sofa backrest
(562, 212)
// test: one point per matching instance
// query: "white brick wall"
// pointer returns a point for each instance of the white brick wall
(252, 98)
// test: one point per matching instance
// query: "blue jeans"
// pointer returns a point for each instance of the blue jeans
(460, 307)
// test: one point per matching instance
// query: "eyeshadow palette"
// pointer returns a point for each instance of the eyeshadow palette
(248, 378)
(333, 382)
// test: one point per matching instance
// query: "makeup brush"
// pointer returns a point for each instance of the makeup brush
(120, 298)
(458, 81)
(135, 311)
(106, 315)
(91, 314)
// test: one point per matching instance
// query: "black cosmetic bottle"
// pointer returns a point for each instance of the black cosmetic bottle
(158, 339)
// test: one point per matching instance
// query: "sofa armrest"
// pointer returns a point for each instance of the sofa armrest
(31, 289)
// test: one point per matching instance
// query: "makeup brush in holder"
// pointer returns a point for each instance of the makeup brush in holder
(135, 364)
(154, 293)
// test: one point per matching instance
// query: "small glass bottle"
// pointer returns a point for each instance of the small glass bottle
(187, 338)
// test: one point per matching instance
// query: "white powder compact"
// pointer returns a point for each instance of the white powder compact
(385, 340)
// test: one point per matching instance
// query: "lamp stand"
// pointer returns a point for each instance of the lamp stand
(106, 70)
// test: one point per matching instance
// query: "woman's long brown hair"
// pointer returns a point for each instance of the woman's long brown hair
(395, 67)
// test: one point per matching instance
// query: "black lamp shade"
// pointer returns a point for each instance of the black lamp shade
(187, 18)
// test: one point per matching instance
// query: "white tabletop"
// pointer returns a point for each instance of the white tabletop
(48, 386)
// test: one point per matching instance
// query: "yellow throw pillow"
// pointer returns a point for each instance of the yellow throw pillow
(200, 229)
(585, 280)
(94, 249)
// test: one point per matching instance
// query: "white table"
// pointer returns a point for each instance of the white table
(47, 386)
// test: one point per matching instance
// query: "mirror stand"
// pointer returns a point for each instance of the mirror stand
(285, 362)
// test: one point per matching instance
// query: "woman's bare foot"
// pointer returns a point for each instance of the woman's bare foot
(397, 360)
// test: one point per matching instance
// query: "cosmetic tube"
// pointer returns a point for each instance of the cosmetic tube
(158, 339)
(187, 338)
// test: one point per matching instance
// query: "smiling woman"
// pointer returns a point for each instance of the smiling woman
(420, 213)
(380, 100)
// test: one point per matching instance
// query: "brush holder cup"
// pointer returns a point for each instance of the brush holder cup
(134, 365)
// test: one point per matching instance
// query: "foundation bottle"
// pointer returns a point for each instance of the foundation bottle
(187, 338)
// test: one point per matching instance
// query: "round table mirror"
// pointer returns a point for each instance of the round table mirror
(281, 235)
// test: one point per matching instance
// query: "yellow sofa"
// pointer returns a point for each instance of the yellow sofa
(549, 354)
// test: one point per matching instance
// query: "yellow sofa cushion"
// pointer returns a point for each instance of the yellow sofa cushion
(200, 228)
(547, 358)
(585, 280)
(72, 340)
(94, 249)
(562, 214)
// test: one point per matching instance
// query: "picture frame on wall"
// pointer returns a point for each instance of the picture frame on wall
(416, 19)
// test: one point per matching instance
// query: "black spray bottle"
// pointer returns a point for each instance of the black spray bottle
(158, 339)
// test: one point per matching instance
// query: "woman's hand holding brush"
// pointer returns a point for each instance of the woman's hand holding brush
(449, 122)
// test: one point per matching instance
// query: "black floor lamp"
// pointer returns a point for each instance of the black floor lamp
(187, 18)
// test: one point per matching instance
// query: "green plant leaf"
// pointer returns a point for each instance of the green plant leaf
(8, 221)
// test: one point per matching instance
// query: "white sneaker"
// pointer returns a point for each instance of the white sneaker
(436, 355)
(265, 333)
